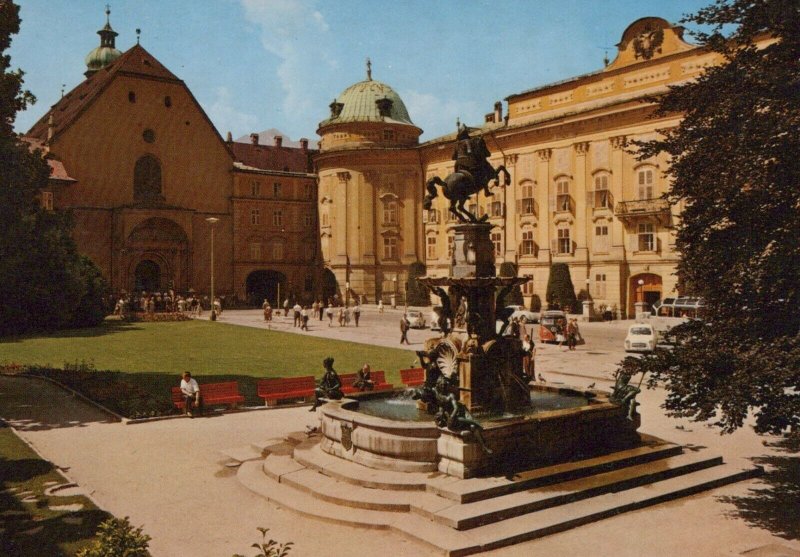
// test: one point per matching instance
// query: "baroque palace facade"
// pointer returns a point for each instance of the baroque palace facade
(142, 168)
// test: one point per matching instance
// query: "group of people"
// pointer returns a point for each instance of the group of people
(302, 314)
(166, 302)
(568, 332)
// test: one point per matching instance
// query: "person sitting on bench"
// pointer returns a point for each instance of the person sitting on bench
(191, 394)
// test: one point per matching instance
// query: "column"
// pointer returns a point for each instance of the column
(543, 190)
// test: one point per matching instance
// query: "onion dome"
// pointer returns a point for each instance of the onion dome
(106, 53)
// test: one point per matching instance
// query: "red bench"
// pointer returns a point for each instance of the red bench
(378, 378)
(211, 394)
(413, 377)
(274, 389)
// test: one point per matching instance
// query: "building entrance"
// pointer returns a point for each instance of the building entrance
(148, 276)
(645, 287)
(264, 284)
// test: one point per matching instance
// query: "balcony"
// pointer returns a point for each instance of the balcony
(629, 211)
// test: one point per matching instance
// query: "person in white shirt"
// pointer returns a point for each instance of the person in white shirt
(191, 393)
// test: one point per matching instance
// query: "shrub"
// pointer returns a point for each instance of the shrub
(269, 548)
(417, 295)
(118, 538)
(560, 292)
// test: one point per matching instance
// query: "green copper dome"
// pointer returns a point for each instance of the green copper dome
(106, 53)
(368, 101)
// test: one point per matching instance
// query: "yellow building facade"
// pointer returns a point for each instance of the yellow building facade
(578, 195)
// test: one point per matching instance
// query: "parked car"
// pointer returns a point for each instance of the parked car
(415, 319)
(525, 316)
(641, 338)
(435, 318)
(548, 325)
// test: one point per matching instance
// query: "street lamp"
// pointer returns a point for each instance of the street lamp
(641, 290)
(588, 292)
(347, 294)
(212, 221)
(394, 298)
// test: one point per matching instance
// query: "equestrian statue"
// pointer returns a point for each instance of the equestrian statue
(472, 173)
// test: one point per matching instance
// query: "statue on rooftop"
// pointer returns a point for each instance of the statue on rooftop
(472, 174)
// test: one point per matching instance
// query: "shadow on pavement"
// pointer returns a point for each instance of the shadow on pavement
(775, 504)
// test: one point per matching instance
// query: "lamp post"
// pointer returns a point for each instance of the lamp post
(394, 296)
(347, 294)
(212, 221)
(641, 290)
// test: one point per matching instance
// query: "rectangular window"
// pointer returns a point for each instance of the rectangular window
(390, 247)
(496, 209)
(277, 218)
(451, 243)
(564, 243)
(601, 193)
(497, 241)
(308, 191)
(647, 237)
(601, 238)
(255, 189)
(527, 288)
(47, 200)
(388, 135)
(646, 184)
(431, 247)
(255, 252)
(390, 212)
(432, 216)
(255, 216)
(526, 205)
(600, 285)
(528, 246)
(277, 251)
(563, 199)
(276, 189)
(325, 219)
(308, 220)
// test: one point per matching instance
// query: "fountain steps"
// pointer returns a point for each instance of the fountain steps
(350, 495)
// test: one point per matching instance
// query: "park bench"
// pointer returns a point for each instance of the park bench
(212, 394)
(279, 388)
(378, 378)
(413, 377)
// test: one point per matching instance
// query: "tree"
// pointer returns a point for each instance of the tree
(514, 297)
(417, 295)
(43, 282)
(560, 292)
(734, 167)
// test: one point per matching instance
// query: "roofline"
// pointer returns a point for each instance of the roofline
(239, 166)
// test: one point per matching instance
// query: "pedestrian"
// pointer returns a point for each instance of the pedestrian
(341, 317)
(404, 327)
(265, 307)
(571, 334)
(304, 318)
(528, 358)
(191, 394)
(356, 313)
(329, 311)
(321, 308)
(515, 328)
(380, 306)
(296, 309)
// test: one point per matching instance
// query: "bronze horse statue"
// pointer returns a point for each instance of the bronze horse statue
(472, 173)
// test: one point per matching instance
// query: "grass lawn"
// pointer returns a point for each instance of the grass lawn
(151, 357)
(28, 525)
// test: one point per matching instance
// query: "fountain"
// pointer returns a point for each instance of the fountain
(477, 412)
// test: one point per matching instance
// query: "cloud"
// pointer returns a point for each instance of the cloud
(297, 34)
(226, 117)
(437, 116)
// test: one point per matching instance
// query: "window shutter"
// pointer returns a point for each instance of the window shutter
(571, 202)
(552, 200)
(425, 216)
(519, 206)
(633, 244)
(590, 199)
(502, 210)
(574, 247)
(554, 246)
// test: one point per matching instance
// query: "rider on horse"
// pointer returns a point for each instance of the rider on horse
(470, 155)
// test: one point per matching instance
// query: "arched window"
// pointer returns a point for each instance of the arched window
(147, 179)
(390, 212)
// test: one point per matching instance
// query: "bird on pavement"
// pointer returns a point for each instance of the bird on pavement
(542, 379)
(591, 386)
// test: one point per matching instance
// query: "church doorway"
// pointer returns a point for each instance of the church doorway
(264, 284)
(148, 276)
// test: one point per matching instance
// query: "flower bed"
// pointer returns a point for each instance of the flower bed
(156, 317)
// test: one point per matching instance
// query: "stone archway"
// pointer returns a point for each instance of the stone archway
(163, 244)
(263, 284)
(649, 291)
(147, 276)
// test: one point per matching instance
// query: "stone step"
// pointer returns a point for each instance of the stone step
(477, 489)
(344, 470)
(242, 454)
(564, 517)
(471, 515)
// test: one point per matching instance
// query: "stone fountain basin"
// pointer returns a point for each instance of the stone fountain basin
(597, 426)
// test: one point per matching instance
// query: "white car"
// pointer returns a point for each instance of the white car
(415, 319)
(525, 316)
(641, 338)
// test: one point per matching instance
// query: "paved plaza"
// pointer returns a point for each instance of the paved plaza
(171, 476)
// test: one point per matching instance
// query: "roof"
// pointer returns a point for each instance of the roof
(135, 61)
(359, 104)
(57, 170)
(266, 157)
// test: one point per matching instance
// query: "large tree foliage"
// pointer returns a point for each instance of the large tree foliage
(514, 297)
(417, 294)
(44, 284)
(734, 168)
(560, 292)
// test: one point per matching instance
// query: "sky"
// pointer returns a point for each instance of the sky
(260, 64)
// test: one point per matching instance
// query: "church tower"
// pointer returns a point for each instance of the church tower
(103, 55)
(370, 187)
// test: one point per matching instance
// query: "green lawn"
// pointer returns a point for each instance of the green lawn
(28, 526)
(151, 356)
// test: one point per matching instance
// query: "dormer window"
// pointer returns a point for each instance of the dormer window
(336, 109)
(384, 107)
